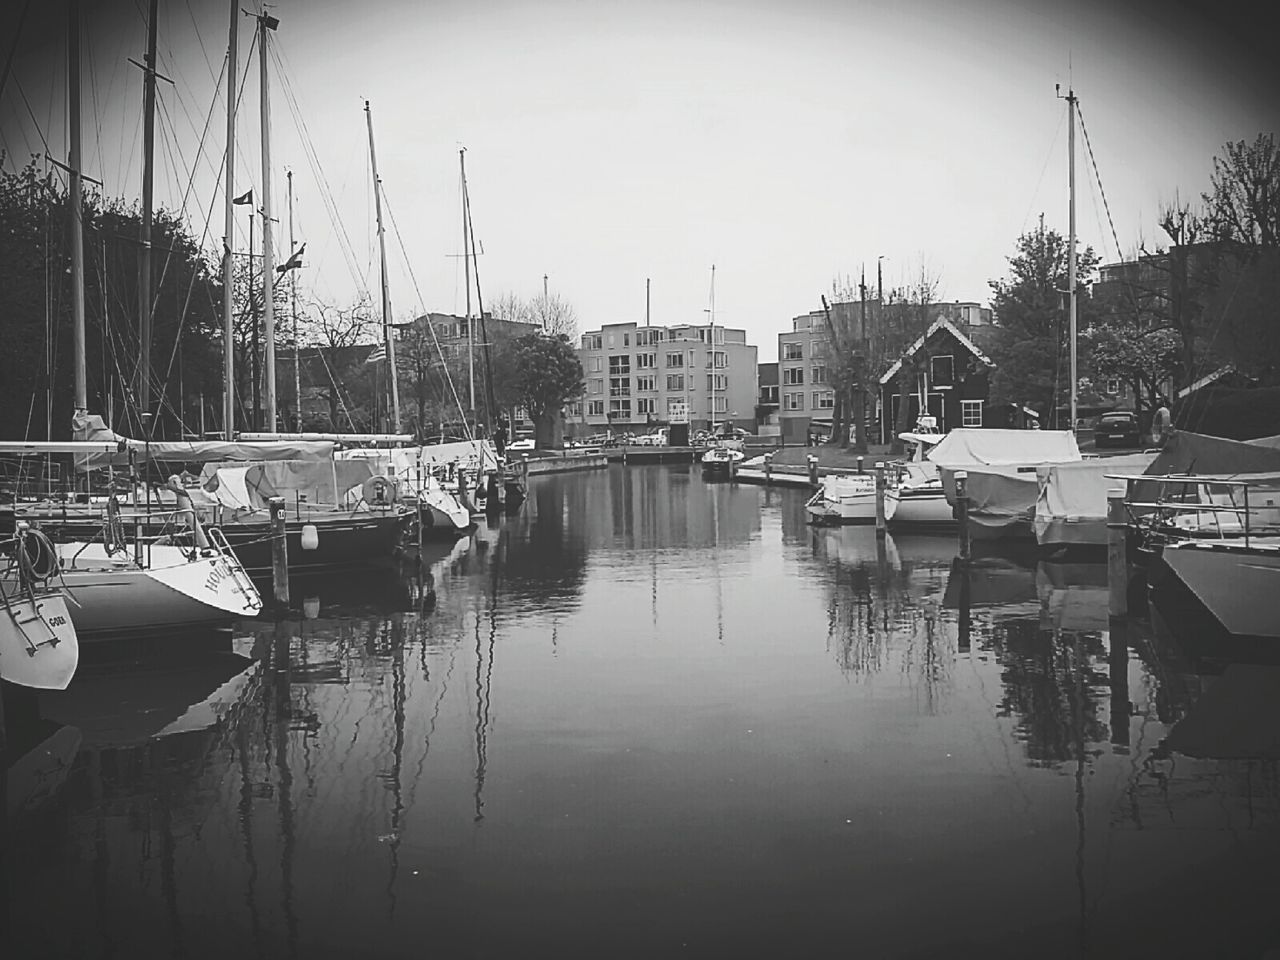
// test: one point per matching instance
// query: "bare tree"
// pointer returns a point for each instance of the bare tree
(915, 313)
(334, 332)
(1244, 205)
(551, 312)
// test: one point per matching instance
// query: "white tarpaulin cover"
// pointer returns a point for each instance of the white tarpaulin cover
(967, 446)
(472, 455)
(1071, 505)
(323, 482)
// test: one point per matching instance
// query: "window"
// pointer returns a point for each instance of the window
(1111, 386)
(620, 365)
(595, 386)
(942, 370)
(792, 351)
(619, 386)
(592, 341)
(722, 359)
(675, 360)
(520, 414)
(646, 361)
(646, 406)
(818, 373)
(769, 394)
(717, 381)
(970, 413)
(824, 400)
(626, 339)
(675, 381)
(721, 405)
(611, 341)
(595, 408)
(646, 384)
(642, 338)
(596, 364)
(619, 409)
(575, 410)
(793, 376)
(658, 336)
(794, 401)
(676, 409)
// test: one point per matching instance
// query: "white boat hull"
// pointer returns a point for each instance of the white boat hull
(38, 643)
(110, 594)
(848, 499)
(1240, 586)
(921, 505)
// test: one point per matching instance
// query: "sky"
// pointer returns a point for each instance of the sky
(613, 143)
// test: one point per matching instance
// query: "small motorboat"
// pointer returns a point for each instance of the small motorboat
(720, 461)
(847, 498)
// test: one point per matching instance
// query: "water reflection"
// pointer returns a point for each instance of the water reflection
(649, 715)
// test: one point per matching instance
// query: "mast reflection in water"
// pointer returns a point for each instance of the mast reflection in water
(651, 715)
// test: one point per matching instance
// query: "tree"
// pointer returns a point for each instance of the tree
(547, 375)
(334, 334)
(36, 365)
(1142, 357)
(1244, 203)
(1032, 349)
(549, 311)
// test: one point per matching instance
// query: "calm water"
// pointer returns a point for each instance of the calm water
(654, 717)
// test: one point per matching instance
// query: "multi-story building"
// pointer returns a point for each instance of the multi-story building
(807, 397)
(640, 376)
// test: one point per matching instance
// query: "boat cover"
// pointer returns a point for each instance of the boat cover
(323, 482)
(91, 427)
(471, 455)
(969, 446)
(1071, 499)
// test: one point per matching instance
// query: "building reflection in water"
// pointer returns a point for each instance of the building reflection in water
(654, 704)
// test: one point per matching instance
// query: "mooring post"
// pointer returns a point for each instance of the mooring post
(860, 465)
(279, 551)
(962, 512)
(960, 569)
(768, 469)
(880, 492)
(1118, 673)
(733, 469)
(813, 470)
(1117, 558)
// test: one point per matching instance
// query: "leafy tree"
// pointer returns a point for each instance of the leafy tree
(36, 366)
(1031, 353)
(1141, 357)
(547, 375)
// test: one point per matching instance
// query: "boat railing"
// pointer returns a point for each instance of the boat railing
(218, 541)
(1159, 515)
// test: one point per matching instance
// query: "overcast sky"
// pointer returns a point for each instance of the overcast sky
(787, 143)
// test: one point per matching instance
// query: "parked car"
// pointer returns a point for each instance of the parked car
(1118, 428)
(656, 439)
(524, 444)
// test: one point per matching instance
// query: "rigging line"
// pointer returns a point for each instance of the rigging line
(317, 170)
(430, 326)
(1036, 192)
(17, 84)
(1098, 177)
(13, 49)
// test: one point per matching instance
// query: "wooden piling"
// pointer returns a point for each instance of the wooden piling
(813, 471)
(881, 523)
(962, 513)
(768, 469)
(1117, 555)
(279, 551)
(860, 464)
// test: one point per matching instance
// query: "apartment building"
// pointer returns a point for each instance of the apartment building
(639, 377)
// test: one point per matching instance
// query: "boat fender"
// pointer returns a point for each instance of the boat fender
(310, 536)
(37, 558)
(380, 491)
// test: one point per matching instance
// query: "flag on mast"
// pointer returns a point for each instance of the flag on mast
(243, 198)
(293, 262)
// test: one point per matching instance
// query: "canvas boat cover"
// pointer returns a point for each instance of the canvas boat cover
(91, 427)
(1071, 498)
(968, 446)
(326, 483)
(1186, 453)
(474, 456)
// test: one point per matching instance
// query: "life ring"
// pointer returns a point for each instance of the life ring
(37, 558)
(380, 491)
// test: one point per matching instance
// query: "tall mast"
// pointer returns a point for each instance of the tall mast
(77, 215)
(228, 242)
(293, 296)
(265, 24)
(466, 261)
(392, 385)
(711, 338)
(646, 301)
(1071, 242)
(491, 402)
(144, 253)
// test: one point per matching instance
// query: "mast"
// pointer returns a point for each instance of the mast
(293, 295)
(490, 399)
(394, 406)
(1071, 243)
(466, 261)
(77, 215)
(266, 23)
(711, 337)
(144, 252)
(228, 243)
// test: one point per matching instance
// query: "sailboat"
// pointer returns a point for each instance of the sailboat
(38, 643)
(722, 458)
(115, 587)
